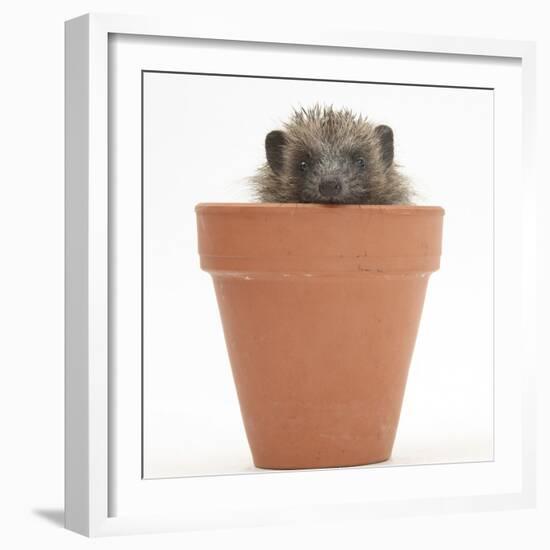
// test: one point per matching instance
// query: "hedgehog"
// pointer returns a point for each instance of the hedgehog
(327, 155)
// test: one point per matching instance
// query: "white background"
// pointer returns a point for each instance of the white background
(444, 140)
(31, 281)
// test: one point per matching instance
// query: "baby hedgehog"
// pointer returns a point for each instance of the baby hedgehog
(325, 155)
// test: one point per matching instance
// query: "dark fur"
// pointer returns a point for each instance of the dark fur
(341, 150)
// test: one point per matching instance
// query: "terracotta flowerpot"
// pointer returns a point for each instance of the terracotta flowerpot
(320, 307)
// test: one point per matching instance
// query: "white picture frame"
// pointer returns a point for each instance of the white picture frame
(105, 493)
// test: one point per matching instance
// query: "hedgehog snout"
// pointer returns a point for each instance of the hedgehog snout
(330, 188)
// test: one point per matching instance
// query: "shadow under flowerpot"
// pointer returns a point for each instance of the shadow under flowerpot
(320, 306)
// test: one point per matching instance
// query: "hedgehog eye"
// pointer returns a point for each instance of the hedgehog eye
(360, 162)
(303, 166)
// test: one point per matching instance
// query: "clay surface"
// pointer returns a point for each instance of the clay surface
(320, 307)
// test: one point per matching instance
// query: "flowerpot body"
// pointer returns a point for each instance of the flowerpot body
(320, 307)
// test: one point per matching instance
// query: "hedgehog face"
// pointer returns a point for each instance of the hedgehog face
(330, 156)
(331, 174)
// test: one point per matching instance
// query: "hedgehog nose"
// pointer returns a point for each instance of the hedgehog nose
(330, 188)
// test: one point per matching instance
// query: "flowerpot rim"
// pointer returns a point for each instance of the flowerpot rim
(220, 207)
(250, 238)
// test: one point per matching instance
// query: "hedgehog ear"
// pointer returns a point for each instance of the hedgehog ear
(274, 145)
(385, 137)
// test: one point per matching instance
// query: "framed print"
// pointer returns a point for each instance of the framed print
(161, 117)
